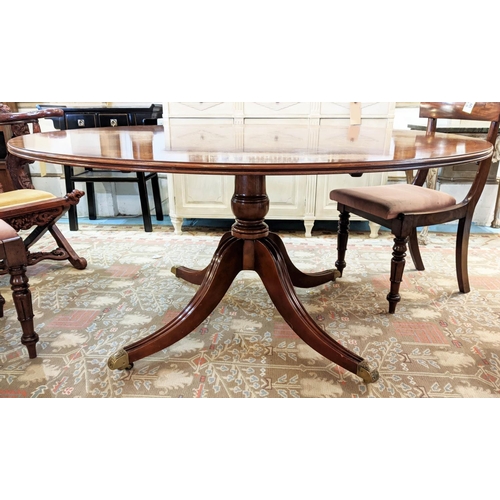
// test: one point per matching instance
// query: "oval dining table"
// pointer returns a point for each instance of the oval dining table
(249, 153)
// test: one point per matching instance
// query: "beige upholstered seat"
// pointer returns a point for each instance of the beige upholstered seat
(404, 207)
(389, 201)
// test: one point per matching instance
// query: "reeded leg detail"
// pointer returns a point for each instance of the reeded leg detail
(249, 246)
(342, 237)
(224, 267)
(24, 308)
(272, 269)
(299, 278)
(397, 269)
(195, 276)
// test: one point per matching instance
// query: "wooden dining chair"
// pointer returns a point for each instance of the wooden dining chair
(24, 208)
(13, 255)
(405, 207)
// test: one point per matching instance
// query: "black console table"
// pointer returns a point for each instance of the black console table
(82, 117)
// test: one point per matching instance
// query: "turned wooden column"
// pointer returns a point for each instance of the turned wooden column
(250, 205)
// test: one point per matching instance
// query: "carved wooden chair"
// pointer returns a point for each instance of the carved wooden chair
(404, 207)
(13, 255)
(24, 208)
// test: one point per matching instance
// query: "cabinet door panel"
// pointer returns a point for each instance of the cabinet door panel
(287, 195)
(203, 196)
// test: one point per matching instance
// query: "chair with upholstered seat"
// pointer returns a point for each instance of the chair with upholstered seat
(404, 207)
(13, 255)
(24, 208)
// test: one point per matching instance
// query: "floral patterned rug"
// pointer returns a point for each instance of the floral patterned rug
(439, 344)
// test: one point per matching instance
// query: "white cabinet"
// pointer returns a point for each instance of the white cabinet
(295, 197)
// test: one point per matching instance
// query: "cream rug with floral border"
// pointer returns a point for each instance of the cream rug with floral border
(439, 344)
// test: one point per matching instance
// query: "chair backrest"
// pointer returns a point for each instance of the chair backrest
(476, 111)
(14, 171)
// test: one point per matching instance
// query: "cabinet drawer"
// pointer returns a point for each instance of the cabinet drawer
(113, 120)
(200, 134)
(368, 109)
(267, 137)
(361, 142)
(187, 109)
(278, 109)
(80, 120)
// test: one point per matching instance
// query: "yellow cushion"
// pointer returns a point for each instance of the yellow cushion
(22, 196)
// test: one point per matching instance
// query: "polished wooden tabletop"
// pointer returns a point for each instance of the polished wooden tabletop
(250, 152)
(250, 149)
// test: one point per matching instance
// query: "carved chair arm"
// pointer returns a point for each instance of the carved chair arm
(29, 116)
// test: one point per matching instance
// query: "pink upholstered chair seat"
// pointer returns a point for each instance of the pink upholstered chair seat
(389, 201)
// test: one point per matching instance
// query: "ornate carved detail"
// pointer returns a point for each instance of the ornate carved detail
(17, 167)
(74, 196)
(57, 254)
(25, 222)
(19, 172)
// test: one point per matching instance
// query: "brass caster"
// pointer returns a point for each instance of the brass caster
(119, 361)
(367, 374)
(173, 270)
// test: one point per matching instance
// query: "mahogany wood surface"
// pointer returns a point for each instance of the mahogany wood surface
(249, 245)
(144, 148)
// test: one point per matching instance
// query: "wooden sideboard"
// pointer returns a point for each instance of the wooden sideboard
(295, 197)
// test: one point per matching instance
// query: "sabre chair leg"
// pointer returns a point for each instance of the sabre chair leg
(461, 254)
(414, 248)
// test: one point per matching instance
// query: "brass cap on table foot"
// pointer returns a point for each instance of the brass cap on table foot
(366, 373)
(119, 360)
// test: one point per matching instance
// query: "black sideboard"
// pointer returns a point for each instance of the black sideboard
(88, 117)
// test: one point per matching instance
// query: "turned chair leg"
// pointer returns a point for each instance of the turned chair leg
(24, 308)
(397, 269)
(342, 237)
(2, 302)
(15, 258)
